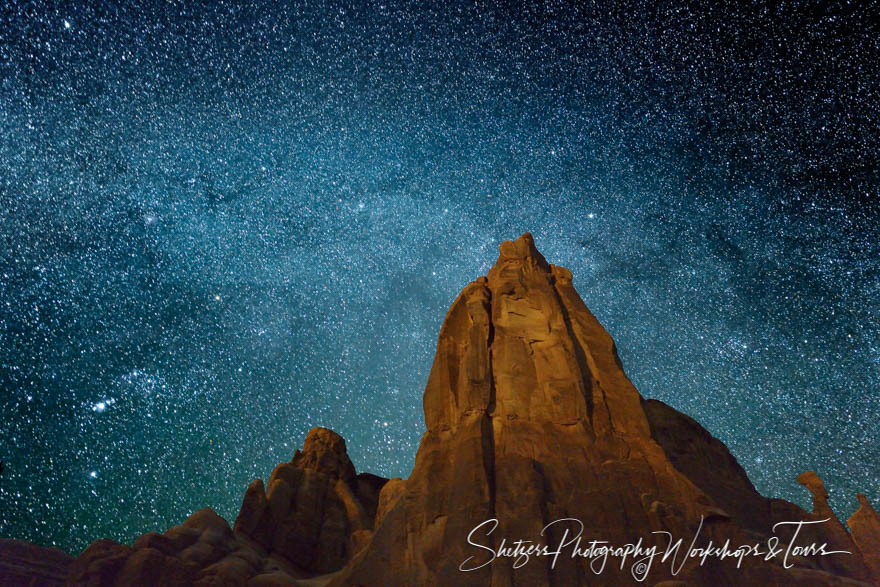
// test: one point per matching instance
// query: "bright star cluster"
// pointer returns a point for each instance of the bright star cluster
(222, 224)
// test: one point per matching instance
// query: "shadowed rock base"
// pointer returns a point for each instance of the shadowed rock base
(530, 420)
(22, 563)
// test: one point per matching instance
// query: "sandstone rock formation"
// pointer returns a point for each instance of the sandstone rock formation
(530, 419)
(316, 512)
(314, 516)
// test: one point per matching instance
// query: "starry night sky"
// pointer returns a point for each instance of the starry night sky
(222, 226)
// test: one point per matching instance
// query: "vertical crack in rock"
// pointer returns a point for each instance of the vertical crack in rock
(487, 425)
(587, 376)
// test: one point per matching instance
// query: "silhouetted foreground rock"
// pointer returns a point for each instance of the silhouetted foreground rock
(23, 563)
(534, 433)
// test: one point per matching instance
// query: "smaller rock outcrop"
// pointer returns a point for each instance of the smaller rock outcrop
(23, 563)
(708, 463)
(314, 514)
(314, 511)
(203, 550)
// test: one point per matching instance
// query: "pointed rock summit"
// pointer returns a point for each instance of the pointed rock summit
(531, 420)
(536, 442)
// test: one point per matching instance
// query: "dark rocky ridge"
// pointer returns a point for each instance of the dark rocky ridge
(530, 418)
(22, 563)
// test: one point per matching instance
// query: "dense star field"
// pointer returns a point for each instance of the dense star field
(222, 226)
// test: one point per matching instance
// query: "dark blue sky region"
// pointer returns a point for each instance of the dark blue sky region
(223, 225)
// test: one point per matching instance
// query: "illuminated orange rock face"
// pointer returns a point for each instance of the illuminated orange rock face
(530, 419)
